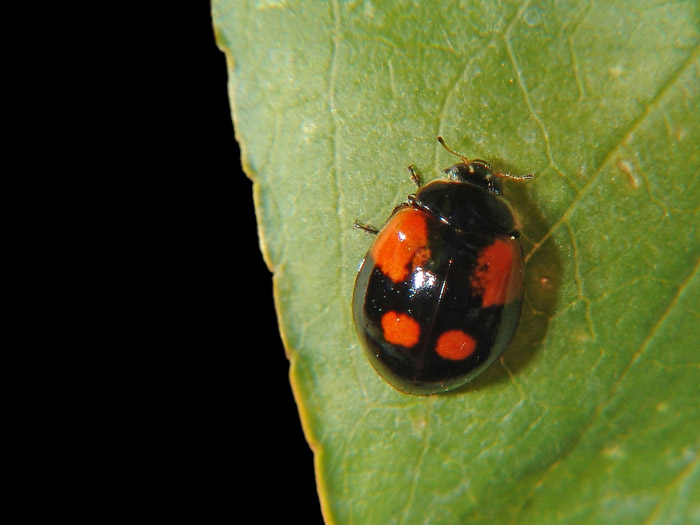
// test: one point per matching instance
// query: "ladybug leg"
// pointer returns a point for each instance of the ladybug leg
(365, 227)
(414, 175)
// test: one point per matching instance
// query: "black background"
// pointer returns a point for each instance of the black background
(270, 458)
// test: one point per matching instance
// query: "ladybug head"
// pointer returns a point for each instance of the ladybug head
(478, 173)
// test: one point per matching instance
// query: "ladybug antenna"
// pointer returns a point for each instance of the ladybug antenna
(527, 176)
(442, 141)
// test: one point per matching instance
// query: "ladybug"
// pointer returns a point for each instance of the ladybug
(438, 296)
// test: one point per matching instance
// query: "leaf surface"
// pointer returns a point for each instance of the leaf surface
(592, 414)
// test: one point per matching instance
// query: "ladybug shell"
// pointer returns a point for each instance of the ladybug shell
(438, 296)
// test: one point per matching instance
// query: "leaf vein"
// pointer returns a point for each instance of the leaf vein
(676, 482)
(666, 86)
(531, 109)
(599, 409)
(335, 15)
(453, 89)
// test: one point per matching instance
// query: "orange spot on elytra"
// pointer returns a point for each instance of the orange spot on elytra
(402, 245)
(400, 329)
(498, 274)
(455, 345)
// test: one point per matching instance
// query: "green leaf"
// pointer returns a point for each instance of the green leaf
(592, 414)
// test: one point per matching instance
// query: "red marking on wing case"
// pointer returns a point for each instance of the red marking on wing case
(400, 329)
(455, 345)
(498, 274)
(402, 245)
